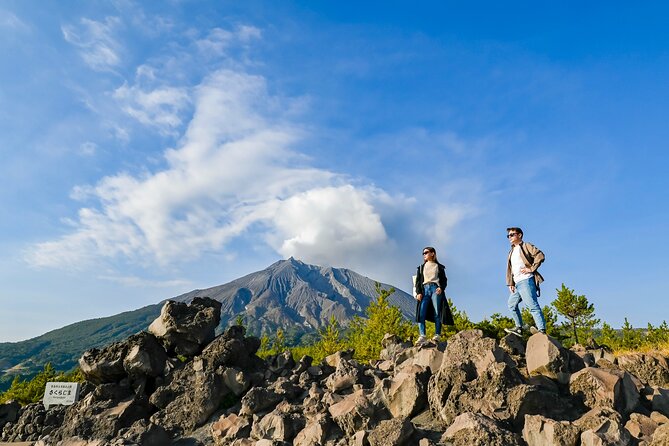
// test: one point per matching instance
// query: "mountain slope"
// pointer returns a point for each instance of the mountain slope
(289, 294)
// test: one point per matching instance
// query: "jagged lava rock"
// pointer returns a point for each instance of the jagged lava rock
(185, 329)
(545, 356)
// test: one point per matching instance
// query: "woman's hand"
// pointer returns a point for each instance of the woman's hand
(419, 297)
(438, 290)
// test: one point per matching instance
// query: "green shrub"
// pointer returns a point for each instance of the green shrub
(32, 391)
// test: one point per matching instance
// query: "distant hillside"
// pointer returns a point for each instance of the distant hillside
(289, 294)
(64, 346)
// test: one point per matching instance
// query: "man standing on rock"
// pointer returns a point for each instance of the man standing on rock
(523, 281)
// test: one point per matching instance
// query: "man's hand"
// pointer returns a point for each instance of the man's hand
(525, 270)
(419, 297)
(438, 290)
(512, 288)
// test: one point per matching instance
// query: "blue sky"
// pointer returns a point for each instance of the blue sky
(151, 148)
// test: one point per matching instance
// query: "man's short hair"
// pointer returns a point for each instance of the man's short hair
(515, 229)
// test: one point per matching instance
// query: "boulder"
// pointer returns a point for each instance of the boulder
(406, 392)
(641, 427)
(602, 426)
(195, 391)
(145, 433)
(609, 433)
(427, 357)
(541, 431)
(513, 345)
(473, 353)
(602, 353)
(193, 395)
(578, 362)
(476, 375)
(232, 349)
(472, 429)
(392, 347)
(334, 359)
(281, 424)
(103, 413)
(230, 427)
(145, 356)
(659, 418)
(661, 436)
(545, 356)
(9, 412)
(106, 365)
(630, 388)
(347, 373)
(597, 388)
(185, 329)
(356, 412)
(316, 432)
(33, 422)
(281, 364)
(660, 400)
(393, 432)
(259, 399)
(652, 369)
(236, 380)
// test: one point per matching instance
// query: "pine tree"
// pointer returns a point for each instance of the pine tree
(366, 334)
(575, 308)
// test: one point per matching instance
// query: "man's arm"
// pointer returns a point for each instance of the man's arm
(537, 256)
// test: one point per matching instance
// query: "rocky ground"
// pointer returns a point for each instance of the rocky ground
(177, 384)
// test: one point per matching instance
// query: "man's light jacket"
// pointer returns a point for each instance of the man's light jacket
(532, 258)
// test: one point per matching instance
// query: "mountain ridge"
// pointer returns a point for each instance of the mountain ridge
(289, 294)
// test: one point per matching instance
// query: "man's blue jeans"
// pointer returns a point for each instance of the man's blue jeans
(430, 297)
(526, 290)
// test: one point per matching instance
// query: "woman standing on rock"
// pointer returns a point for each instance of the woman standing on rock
(430, 287)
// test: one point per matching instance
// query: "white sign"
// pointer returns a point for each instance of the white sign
(61, 393)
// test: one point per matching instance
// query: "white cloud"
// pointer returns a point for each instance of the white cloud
(98, 47)
(9, 20)
(324, 225)
(88, 148)
(139, 282)
(161, 108)
(234, 173)
(219, 40)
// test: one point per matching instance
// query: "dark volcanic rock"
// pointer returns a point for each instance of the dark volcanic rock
(477, 394)
(186, 329)
(651, 369)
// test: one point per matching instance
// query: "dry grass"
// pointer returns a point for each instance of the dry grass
(662, 349)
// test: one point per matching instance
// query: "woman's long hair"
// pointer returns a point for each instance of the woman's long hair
(431, 249)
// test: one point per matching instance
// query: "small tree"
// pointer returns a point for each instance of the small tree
(631, 337)
(609, 337)
(577, 309)
(32, 391)
(366, 333)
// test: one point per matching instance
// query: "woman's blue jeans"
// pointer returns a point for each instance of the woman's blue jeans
(526, 290)
(430, 297)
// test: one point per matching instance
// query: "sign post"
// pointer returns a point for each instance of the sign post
(61, 393)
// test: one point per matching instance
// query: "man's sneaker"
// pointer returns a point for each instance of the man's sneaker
(421, 340)
(436, 338)
(535, 330)
(518, 331)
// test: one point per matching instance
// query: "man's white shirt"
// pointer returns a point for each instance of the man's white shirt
(516, 264)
